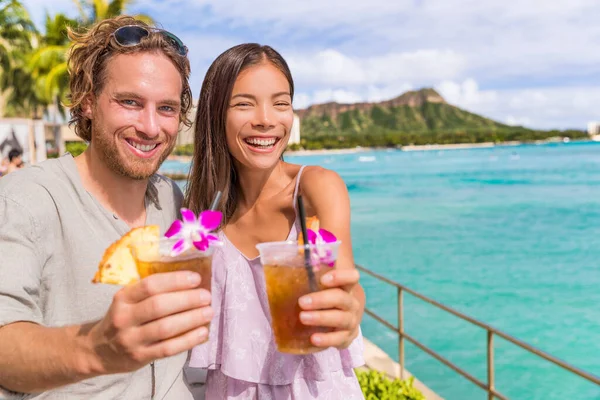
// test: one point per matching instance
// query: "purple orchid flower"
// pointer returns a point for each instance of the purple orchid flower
(321, 254)
(193, 231)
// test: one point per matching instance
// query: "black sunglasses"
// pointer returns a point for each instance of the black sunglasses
(132, 35)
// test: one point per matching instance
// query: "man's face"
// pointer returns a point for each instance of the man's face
(135, 118)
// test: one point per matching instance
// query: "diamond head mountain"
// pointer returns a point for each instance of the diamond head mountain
(421, 110)
(413, 118)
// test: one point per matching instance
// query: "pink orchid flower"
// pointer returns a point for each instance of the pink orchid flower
(193, 231)
(321, 254)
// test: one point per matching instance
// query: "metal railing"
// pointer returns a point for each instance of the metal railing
(491, 333)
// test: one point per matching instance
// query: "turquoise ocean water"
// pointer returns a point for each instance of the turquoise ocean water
(508, 235)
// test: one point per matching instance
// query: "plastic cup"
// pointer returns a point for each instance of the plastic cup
(153, 256)
(287, 280)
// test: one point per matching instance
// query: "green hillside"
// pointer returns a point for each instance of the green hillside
(416, 117)
(428, 117)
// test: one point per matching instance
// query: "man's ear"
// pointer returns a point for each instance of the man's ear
(86, 107)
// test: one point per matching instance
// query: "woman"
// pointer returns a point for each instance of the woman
(243, 124)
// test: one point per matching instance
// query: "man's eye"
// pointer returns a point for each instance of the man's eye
(167, 109)
(129, 102)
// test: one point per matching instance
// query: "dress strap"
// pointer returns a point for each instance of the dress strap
(297, 186)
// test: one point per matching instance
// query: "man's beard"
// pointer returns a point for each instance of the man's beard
(130, 167)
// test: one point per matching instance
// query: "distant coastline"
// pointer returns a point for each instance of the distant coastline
(424, 147)
(458, 146)
(328, 151)
(187, 159)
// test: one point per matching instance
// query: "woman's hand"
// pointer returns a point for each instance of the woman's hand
(334, 307)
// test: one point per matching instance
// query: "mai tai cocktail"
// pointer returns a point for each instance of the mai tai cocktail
(287, 279)
(187, 245)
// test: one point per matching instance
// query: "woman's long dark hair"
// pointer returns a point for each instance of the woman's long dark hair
(212, 166)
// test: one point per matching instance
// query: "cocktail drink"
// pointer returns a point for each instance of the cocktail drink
(153, 256)
(188, 244)
(287, 279)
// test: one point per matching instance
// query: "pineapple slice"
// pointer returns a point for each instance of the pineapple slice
(311, 223)
(118, 266)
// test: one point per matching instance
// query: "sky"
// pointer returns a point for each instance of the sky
(533, 62)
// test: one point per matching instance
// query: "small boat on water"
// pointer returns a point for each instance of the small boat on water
(366, 158)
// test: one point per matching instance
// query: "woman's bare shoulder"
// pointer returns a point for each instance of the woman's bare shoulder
(323, 186)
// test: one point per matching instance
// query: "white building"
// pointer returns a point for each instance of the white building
(593, 128)
(295, 133)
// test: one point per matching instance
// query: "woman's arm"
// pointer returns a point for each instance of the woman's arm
(325, 195)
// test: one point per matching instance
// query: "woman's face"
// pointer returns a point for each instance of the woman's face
(259, 117)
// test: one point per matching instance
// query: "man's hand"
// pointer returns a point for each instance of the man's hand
(335, 307)
(160, 316)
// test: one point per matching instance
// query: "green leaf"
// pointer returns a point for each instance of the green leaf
(377, 386)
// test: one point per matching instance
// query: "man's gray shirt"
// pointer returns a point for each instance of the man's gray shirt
(53, 234)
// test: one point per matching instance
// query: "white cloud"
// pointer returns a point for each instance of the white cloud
(467, 93)
(540, 108)
(339, 96)
(496, 39)
(302, 100)
(517, 121)
(386, 92)
(39, 8)
(331, 67)
(306, 13)
(202, 51)
(543, 108)
(538, 55)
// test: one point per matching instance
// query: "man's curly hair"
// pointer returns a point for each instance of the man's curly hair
(89, 56)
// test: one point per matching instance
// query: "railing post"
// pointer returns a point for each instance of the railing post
(401, 331)
(491, 332)
(490, 363)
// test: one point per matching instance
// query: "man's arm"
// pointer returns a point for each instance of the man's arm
(34, 358)
(160, 316)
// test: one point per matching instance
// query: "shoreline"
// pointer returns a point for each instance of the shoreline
(458, 146)
(420, 147)
(351, 150)
(187, 159)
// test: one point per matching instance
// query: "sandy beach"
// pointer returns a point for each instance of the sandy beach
(425, 147)
(187, 159)
(457, 146)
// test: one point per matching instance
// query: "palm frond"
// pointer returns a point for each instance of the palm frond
(45, 58)
(53, 85)
(100, 10)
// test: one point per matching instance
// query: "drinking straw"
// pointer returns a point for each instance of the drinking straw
(307, 264)
(215, 202)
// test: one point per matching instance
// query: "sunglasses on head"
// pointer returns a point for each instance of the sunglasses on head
(132, 35)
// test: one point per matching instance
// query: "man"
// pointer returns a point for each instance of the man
(60, 335)
(15, 160)
(3, 166)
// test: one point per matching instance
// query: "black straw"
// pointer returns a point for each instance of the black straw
(215, 202)
(307, 264)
